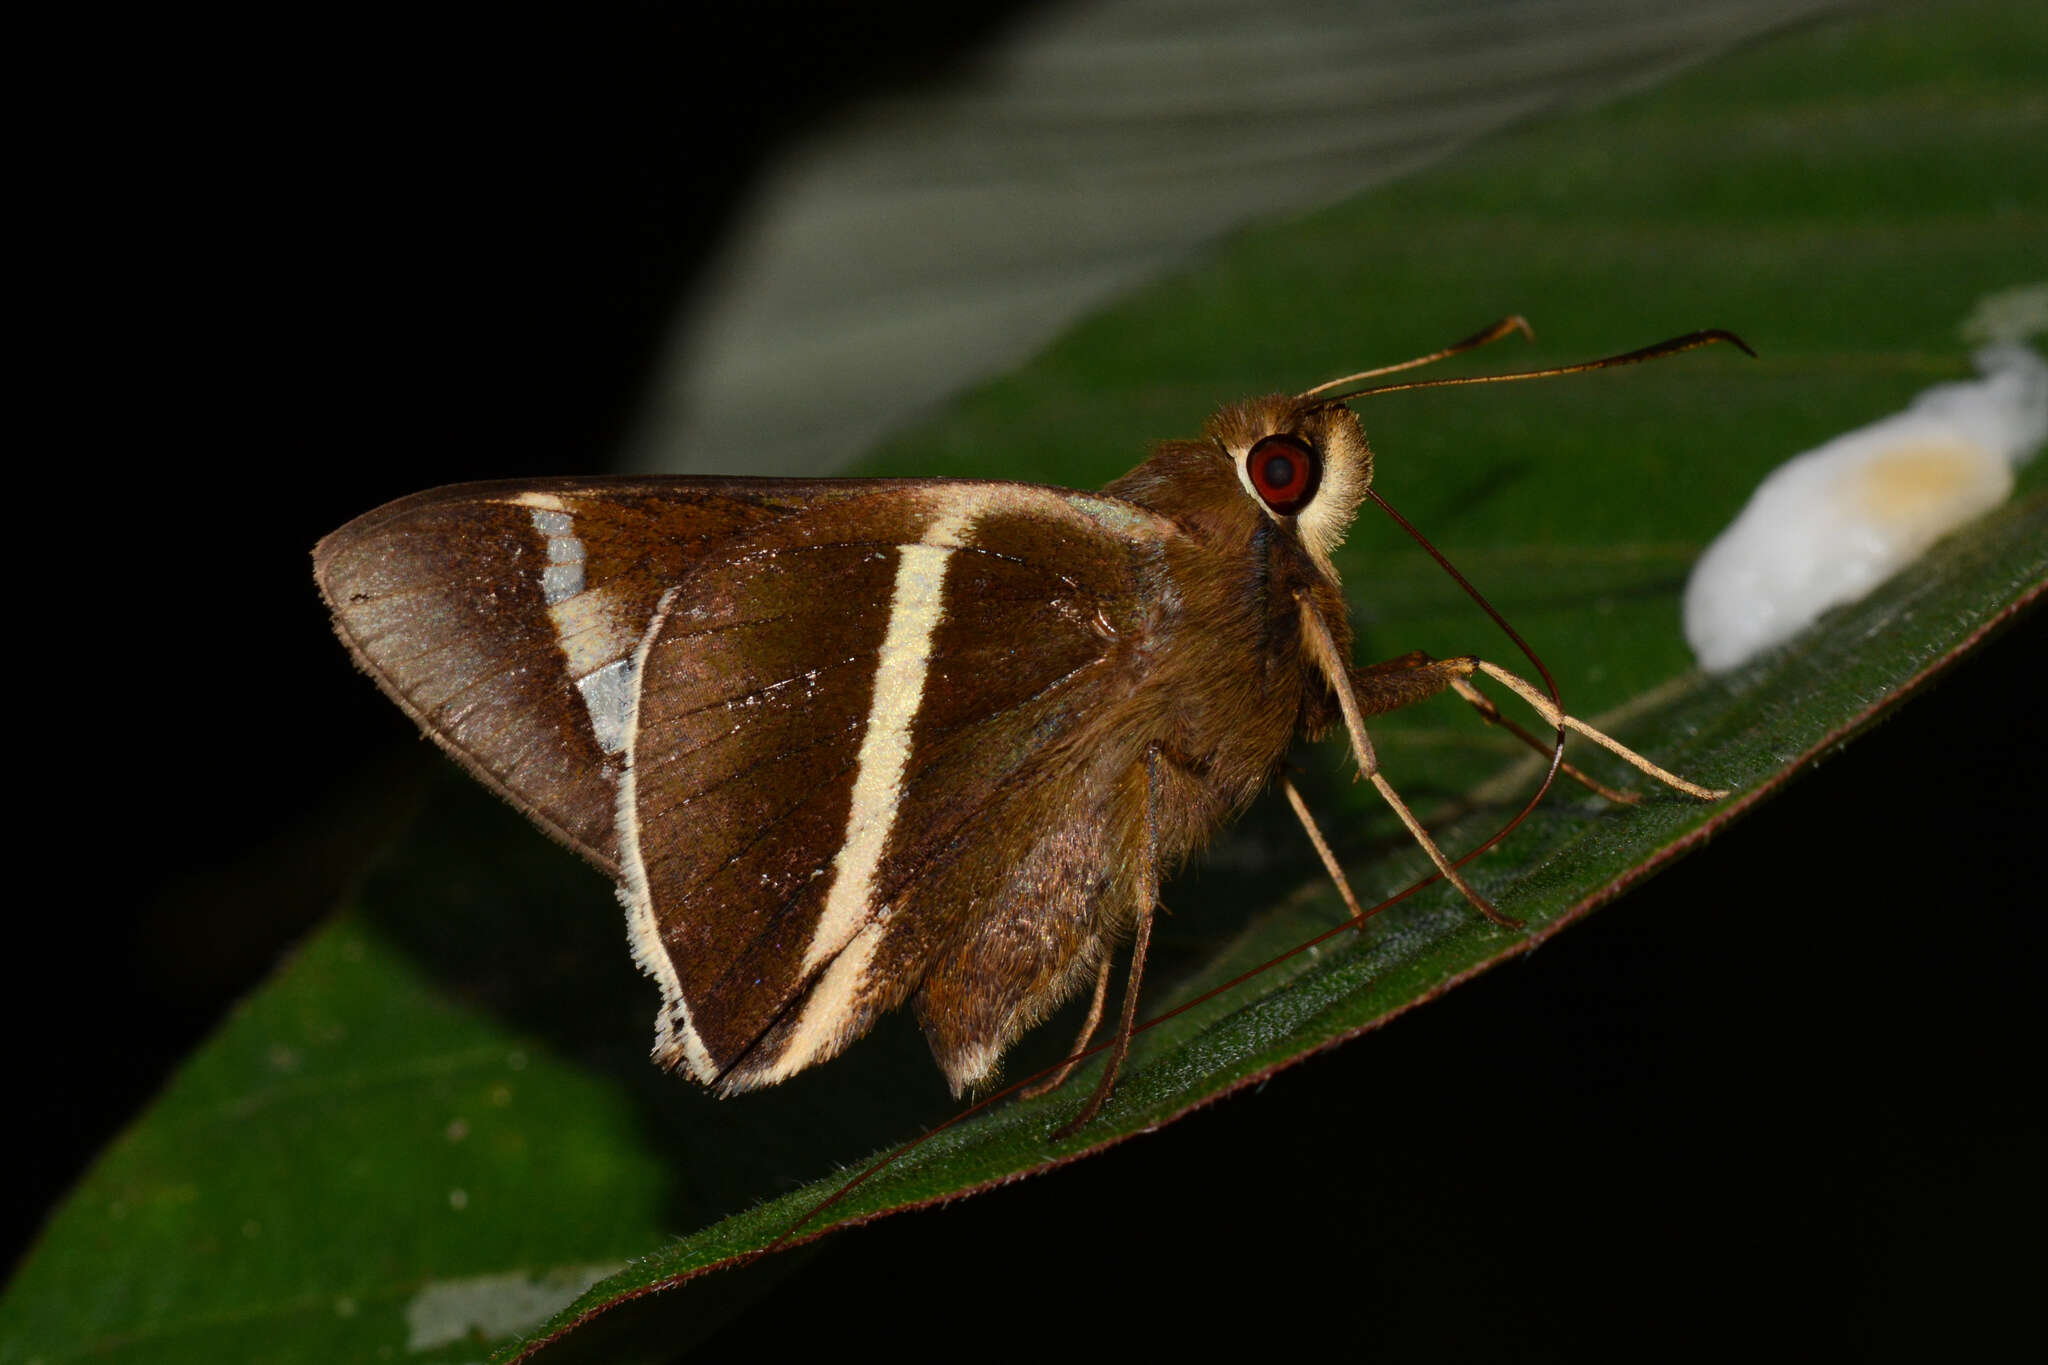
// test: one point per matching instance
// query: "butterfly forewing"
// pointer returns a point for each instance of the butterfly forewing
(503, 617)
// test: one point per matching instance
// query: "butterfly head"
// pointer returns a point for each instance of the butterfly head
(1303, 462)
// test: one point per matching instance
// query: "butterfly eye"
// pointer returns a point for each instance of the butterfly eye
(1284, 471)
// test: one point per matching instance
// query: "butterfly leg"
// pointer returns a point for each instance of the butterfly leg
(1094, 1021)
(1545, 708)
(1340, 676)
(1330, 864)
(1147, 902)
(1416, 676)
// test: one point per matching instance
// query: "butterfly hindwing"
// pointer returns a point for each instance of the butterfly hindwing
(861, 732)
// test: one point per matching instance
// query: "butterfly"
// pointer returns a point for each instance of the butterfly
(844, 744)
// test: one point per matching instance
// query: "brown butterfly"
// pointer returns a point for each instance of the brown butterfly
(844, 743)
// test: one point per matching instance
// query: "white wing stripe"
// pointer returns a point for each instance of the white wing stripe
(851, 926)
(916, 609)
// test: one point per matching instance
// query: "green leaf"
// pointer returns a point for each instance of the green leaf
(438, 1123)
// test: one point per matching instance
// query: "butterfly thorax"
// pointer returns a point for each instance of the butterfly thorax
(1231, 683)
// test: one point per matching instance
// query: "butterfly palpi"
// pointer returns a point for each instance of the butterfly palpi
(847, 743)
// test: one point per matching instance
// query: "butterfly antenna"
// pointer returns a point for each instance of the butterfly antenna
(1691, 341)
(1513, 323)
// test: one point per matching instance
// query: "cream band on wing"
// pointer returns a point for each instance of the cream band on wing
(589, 628)
(850, 927)
(675, 1034)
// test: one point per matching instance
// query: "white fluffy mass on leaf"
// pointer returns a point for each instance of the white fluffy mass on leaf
(1829, 525)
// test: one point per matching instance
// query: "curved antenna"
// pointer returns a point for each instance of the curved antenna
(1513, 323)
(1689, 342)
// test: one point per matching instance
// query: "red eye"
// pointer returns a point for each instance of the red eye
(1285, 471)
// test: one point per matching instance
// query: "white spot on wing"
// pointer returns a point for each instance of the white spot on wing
(608, 693)
(1829, 525)
(588, 625)
(559, 581)
(563, 576)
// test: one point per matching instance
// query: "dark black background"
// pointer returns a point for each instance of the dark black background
(340, 245)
